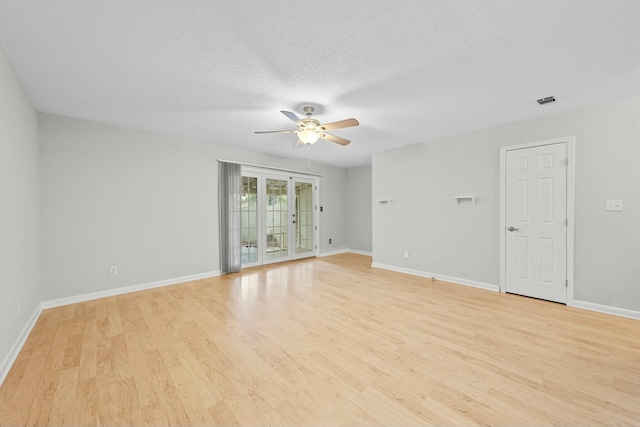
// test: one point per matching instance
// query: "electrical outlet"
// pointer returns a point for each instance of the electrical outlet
(114, 270)
(330, 241)
(613, 205)
(406, 254)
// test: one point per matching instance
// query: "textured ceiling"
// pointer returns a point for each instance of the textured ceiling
(409, 71)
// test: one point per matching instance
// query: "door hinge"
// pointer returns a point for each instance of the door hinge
(316, 227)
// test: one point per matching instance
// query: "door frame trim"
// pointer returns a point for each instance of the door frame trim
(571, 184)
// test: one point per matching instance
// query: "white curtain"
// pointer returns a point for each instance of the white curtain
(229, 212)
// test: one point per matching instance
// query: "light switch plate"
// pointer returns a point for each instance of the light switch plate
(613, 205)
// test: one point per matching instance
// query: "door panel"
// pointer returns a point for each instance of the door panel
(250, 219)
(536, 217)
(303, 223)
(276, 204)
(522, 257)
(522, 200)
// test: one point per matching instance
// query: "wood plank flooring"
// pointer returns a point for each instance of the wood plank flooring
(327, 341)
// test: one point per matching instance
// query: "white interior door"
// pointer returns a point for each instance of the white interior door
(536, 222)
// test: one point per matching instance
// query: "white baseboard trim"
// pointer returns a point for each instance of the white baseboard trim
(345, 251)
(623, 312)
(456, 280)
(11, 357)
(355, 251)
(338, 252)
(125, 290)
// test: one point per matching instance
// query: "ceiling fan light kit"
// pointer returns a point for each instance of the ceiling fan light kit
(308, 136)
(310, 129)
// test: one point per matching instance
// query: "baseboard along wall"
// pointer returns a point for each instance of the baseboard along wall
(456, 280)
(607, 309)
(7, 363)
(125, 290)
(344, 251)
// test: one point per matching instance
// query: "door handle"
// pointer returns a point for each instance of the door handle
(512, 228)
(294, 221)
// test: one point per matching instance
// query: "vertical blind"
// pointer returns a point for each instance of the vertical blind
(229, 214)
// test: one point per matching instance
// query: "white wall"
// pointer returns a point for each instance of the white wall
(143, 202)
(333, 218)
(19, 211)
(463, 241)
(359, 206)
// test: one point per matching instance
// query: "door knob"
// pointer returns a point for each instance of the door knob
(512, 228)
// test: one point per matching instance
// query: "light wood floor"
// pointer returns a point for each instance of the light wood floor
(325, 341)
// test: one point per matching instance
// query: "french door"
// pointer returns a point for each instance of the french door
(279, 217)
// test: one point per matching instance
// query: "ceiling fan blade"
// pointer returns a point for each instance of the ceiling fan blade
(277, 131)
(335, 139)
(295, 119)
(341, 124)
(298, 144)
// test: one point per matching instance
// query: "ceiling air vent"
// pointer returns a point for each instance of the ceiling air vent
(546, 100)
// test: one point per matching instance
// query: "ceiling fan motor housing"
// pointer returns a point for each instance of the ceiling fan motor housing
(311, 124)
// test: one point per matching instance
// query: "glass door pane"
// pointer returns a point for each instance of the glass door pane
(303, 224)
(249, 220)
(277, 219)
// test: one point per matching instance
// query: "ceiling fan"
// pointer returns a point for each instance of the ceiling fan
(310, 130)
